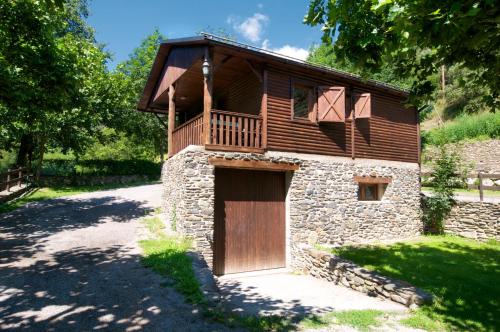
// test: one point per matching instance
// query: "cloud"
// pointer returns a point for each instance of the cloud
(251, 28)
(287, 50)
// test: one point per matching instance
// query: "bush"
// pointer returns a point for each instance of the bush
(444, 179)
(65, 167)
(484, 125)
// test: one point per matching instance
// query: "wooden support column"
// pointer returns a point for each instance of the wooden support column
(207, 97)
(263, 109)
(171, 118)
(353, 125)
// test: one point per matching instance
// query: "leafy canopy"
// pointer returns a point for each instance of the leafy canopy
(416, 36)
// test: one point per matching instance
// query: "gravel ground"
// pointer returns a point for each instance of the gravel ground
(72, 264)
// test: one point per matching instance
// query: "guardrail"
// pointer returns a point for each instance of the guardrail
(13, 176)
(480, 176)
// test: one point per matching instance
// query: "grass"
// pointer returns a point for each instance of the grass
(476, 127)
(362, 320)
(40, 194)
(463, 275)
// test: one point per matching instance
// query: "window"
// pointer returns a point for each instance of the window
(303, 101)
(371, 191)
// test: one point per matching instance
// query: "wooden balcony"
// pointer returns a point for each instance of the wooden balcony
(229, 131)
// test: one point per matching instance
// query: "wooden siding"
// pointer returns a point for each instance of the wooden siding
(390, 133)
(243, 95)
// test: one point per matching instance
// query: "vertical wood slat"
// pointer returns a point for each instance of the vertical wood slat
(240, 130)
(257, 134)
(187, 134)
(245, 129)
(233, 130)
(252, 133)
(221, 129)
(227, 129)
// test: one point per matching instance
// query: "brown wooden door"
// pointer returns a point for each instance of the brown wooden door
(249, 220)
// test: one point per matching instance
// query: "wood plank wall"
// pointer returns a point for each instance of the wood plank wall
(390, 134)
(243, 95)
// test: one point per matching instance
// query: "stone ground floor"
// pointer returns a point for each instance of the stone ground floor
(320, 195)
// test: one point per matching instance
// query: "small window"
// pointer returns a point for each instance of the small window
(302, 101)
(371, 191)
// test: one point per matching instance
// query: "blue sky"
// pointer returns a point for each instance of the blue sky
(275, 25)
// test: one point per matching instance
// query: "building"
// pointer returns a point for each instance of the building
(267, 152)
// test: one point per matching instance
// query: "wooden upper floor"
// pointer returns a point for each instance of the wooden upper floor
(231, 97)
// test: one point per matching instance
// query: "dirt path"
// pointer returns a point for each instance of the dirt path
(72, 264)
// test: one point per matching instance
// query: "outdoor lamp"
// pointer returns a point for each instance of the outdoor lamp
(205, 68)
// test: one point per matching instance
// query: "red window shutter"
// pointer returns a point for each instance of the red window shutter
(331, 104)
(362, 105)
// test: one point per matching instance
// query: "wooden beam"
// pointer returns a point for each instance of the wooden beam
(220, 64)
(245, 149)
(263, 110)
(255, 71)
(252, 164)
(207, 97)
(171, 119)
(372, 179)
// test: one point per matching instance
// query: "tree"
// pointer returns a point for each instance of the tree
(132, 75)
(416, 36)
(54, 86)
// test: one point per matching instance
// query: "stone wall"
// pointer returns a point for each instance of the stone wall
(475, 220)
(332, 268)
(322, 199)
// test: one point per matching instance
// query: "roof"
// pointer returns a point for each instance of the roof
(266, 55)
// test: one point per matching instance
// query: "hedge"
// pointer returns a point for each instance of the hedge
(61, 167)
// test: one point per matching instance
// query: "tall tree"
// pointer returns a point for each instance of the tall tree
(132, 75)
(417, 36)
(53, 76)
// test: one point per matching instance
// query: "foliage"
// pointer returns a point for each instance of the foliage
(154, 225)
(461, 273)
(132, 75)
(416, 37)
(444, 179)
(325, 55)
(362, 320)
(54, 86)
(474, 126)
(65, 167)
(422, 321)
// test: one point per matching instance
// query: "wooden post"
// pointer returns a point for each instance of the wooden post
(207, 98)
(263, 109)
(20, 176)
(480, 177)
(171, 119)
(353, 124)
(8, 179)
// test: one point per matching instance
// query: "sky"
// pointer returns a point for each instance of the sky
(274, 24)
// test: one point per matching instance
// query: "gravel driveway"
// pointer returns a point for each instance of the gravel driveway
(72, 264)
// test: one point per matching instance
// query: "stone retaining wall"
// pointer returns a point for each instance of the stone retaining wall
(322, 203)
(332, 268)
(475, 220)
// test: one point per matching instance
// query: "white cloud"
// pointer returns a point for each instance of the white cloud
(251, 28)
(287, 50)
(260, 5)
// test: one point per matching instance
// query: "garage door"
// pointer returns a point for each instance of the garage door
(249, 220)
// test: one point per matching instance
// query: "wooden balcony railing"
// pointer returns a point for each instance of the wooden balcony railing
(235, 132)
(189, 133)
(229, 131)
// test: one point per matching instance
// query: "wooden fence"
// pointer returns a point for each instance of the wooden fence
(13, 177)
(480, 179)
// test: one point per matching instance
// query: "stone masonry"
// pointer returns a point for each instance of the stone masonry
(475, 220)
(322, 204)
(332, 268)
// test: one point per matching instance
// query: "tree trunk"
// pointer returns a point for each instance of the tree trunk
(41, 151)
(25, 150)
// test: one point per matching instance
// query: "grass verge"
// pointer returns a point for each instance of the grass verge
(362, 320)
(475, 192)
(462, 274)
(40, 194)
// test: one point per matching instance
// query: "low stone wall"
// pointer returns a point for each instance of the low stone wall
(475, 220)
(332, 268)
(90, 180)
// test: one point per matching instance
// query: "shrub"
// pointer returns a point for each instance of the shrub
(477, 126)
(444, 179)
(66, 167)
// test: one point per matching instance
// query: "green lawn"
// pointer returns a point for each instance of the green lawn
(40, 194)
(474, 192)
(463, 274)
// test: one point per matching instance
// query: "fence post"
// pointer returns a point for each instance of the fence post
(20, 176)
(480, 177)
(8, 179)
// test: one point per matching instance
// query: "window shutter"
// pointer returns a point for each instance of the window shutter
(331, 104)
(362, 105)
